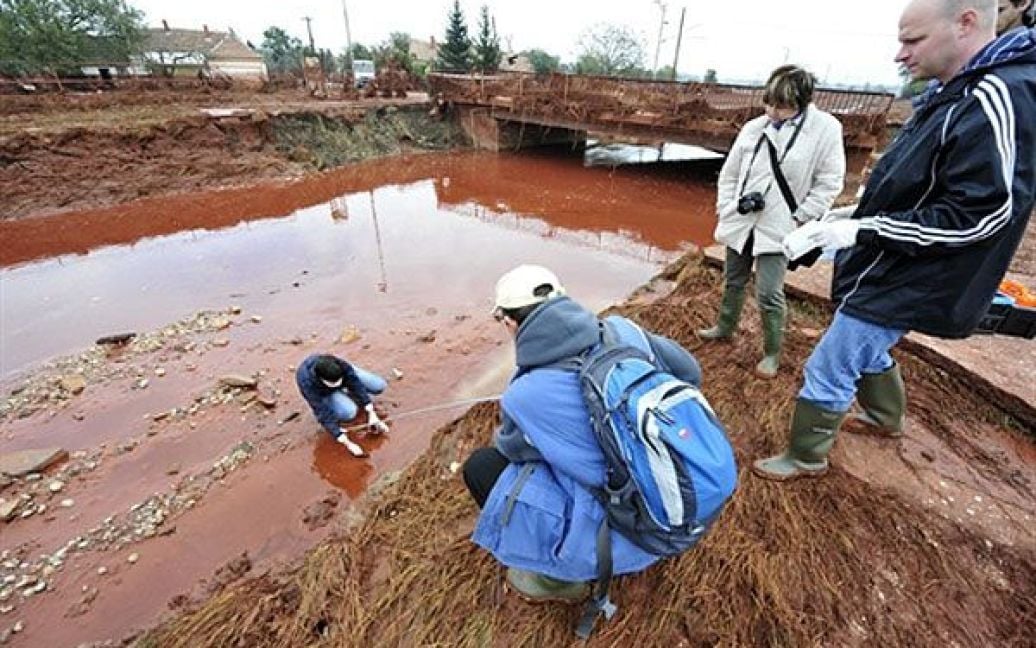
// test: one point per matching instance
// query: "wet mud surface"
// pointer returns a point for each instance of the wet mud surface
(179, 482)
(923, 541)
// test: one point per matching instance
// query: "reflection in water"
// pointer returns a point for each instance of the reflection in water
(441, 238)
(616, 154)
(336, 466)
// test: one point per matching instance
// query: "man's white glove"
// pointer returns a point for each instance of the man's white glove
(373, 422)
(353, 448)
(800, 240)
(835, 235)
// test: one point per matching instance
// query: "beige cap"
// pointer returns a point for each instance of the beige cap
(517, 288)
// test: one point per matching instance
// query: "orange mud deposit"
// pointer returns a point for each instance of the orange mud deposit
(173, 472)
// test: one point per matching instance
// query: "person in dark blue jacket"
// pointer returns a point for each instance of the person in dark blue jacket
(542, 524)
(335, 390)
(935, 230)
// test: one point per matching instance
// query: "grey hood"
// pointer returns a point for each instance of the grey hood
(558, 329)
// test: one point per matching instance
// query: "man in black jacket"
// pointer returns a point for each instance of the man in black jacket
(936, 228)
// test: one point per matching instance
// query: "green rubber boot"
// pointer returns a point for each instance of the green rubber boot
(812, 434)
(538, 588)
(729, 315)
(773, 336)
(883, 400)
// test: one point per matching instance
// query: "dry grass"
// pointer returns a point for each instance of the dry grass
(836, 561)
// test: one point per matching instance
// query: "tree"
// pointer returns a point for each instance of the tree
(610, 50)
(362, 53)
(396, 48)
(487, 47)
(710, 76)
(282, 53)
(455, 53)
(60, 35)
(542, 62)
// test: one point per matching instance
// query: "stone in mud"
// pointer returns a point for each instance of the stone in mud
(73, 383)
(349, 335)
(237, 380)
(116, 340)
(428, 337)
(23, 462)
(8, 509)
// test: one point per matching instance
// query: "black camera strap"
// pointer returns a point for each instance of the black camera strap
(782, 183)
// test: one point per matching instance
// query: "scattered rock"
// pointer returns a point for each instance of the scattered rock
(23, 462)
(257, 319)
(173, 470)
(269, 401)
(427, 338)
(68, 503)
(349, 335)
(221, 342)
(160, 372)
(8, 508)
(56, 486)
(132, 558)
(118, 339)
(289, 418)
(235, 310)
(220, 323)
(236, 380)
(454, 467)
(143, 383)
(73, 383)
(397, 374)
(160, 416)
(928, 455)
(101, 571)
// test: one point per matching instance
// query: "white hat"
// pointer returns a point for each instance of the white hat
(518, 287)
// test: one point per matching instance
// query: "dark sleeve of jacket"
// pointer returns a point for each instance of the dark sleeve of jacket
(511, 442)
(317, 396)
(353, 383)
(970, 198)
(675, 359)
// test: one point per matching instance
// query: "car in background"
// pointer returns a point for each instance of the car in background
(363, 72)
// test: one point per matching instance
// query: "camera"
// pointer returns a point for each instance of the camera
(751, 202)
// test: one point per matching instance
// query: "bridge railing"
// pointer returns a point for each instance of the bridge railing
(665, 105)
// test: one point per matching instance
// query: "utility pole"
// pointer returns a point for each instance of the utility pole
(658, 43)
(348, 37)
(309, 29)
(679, 38)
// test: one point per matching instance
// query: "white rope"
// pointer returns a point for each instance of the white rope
(431, 408)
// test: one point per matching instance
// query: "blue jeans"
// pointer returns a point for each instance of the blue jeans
(850, 348)
(343, 406)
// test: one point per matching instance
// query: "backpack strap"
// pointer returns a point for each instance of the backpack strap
(599, 604)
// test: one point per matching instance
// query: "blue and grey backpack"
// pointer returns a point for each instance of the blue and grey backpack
(670, 465)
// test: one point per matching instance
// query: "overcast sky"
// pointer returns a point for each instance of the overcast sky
(840, 42)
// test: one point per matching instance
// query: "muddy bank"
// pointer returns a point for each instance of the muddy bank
(927, 541)
(87, 167)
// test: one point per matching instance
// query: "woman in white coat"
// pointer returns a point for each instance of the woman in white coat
(755, 212)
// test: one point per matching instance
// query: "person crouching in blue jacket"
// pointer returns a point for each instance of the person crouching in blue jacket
(539, 515)
(335, 390)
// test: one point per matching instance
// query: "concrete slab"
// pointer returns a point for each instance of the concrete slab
(1003, 368)
(24, 462)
